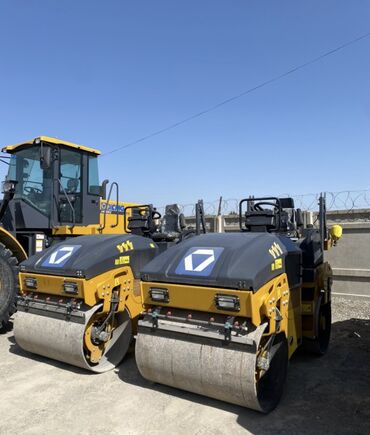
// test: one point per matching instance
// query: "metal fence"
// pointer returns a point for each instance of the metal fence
(347, 204)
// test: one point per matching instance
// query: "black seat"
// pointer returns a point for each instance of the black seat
(173, 224)
(285, 221)
(139, 223)
(291, 219)
(260, 220)
(72, 185)
(272, 214)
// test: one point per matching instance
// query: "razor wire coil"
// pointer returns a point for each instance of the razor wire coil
(347, 203)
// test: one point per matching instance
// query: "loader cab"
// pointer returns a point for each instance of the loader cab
(50, 183)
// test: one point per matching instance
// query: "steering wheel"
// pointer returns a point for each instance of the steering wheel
(32, 190)
(258, 205)
(156, 215)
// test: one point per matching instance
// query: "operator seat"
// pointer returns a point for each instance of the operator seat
(266, 219)
(173, 224)
(140, 222)
(291, 219)
(260, 220)
(72, 185)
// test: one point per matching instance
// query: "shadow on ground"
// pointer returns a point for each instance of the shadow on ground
(330, 394)
(6, 327)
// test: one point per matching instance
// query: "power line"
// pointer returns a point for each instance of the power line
(242, 94)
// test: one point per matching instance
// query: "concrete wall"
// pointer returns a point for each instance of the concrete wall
(350, 259)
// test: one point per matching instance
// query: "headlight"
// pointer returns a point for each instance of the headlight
(30, 283)
(70, 288)
(227, 302)
(159, 294)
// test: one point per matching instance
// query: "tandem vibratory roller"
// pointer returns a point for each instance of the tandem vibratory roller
(80, 300)
(224, 313)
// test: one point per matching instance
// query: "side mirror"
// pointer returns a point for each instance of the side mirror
(103, 189)
(45, 157)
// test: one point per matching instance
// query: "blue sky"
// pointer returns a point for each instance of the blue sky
(106, 73)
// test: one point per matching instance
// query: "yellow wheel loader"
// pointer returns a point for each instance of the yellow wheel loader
(80, 300)
(51, 193)
(224, 313)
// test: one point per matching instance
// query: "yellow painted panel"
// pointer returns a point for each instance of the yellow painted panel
(49, 284)
(53, 140)
(91, 291)
(197, 298)
(112, 224)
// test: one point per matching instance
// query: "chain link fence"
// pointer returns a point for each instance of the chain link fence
(345, 205)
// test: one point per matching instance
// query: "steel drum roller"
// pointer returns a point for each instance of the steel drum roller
(63, 340)
(219, 372)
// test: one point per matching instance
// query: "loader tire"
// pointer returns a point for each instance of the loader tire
(8, 284)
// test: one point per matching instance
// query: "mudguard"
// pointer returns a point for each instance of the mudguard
(11, 243)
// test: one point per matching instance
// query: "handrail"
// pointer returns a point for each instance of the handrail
(102, 227)
(199, 218)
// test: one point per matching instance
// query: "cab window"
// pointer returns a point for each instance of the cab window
(70, 171)
(93, 175)
(34, 184)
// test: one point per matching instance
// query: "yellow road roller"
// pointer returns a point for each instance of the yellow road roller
(80, 299)
(225, 312)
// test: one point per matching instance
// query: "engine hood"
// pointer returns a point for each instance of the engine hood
(231, 260)
(89, 256)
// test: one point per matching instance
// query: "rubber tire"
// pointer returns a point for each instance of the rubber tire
(270, 388)
(319, 346)
(323, 339)
(9, 284)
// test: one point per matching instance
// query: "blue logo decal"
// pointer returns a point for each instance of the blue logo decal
(199, 261)
(112, 208)
(60, 256)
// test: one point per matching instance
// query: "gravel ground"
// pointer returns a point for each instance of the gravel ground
(323, 395)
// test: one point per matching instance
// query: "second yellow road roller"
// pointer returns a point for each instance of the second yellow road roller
(224, 313)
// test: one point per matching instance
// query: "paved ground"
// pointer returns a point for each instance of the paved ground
(323, 395)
